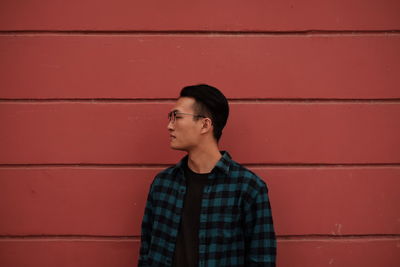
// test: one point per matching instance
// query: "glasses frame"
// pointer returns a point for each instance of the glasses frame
(172, 115)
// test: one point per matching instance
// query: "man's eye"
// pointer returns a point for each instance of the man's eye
(178, 117)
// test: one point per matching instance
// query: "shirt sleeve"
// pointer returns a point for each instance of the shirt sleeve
(259, 231)
(146, 230)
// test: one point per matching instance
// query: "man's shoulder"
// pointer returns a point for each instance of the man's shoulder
(163, 179)
(167, 173)
(245, 175)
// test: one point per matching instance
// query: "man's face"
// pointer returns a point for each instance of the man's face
(185, 130)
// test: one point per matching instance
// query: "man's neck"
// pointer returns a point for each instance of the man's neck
(203, 160)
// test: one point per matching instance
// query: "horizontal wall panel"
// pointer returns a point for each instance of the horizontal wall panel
(340, 253)
(73, 201)
(99, 253)
(335, 201)
(136, 133)
(178, 15)
(158, 66)
(67, 253)
(110, 201)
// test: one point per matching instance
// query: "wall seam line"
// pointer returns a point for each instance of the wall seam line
(252, 165)
(172, 100)
(202, 32)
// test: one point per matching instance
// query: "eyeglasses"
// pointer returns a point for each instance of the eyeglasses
(172, 115)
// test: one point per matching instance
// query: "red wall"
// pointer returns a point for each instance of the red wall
(84, 91)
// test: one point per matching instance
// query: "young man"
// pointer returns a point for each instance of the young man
(207, 210)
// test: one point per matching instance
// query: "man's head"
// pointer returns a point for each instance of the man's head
(201, 111)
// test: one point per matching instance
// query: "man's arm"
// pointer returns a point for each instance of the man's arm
(259, 231)
(147, 223)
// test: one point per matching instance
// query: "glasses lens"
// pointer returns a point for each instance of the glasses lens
(171, 116)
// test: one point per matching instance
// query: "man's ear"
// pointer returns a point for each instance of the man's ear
(206, 125)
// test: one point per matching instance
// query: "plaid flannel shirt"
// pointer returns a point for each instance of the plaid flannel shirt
(236, 227)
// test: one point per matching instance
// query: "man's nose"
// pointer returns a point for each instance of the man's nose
(170, 126)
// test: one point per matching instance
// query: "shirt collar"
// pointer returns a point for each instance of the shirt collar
(222, 165)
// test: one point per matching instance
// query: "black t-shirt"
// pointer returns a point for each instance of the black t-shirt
(187, 244)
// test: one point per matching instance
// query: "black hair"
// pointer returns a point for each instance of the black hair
(210, 102)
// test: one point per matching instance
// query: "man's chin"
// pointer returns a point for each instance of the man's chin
(175, 147)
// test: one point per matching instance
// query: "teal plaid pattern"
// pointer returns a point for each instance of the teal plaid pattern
(236, 227)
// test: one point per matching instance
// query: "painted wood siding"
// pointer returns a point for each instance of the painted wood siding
(314, 89)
